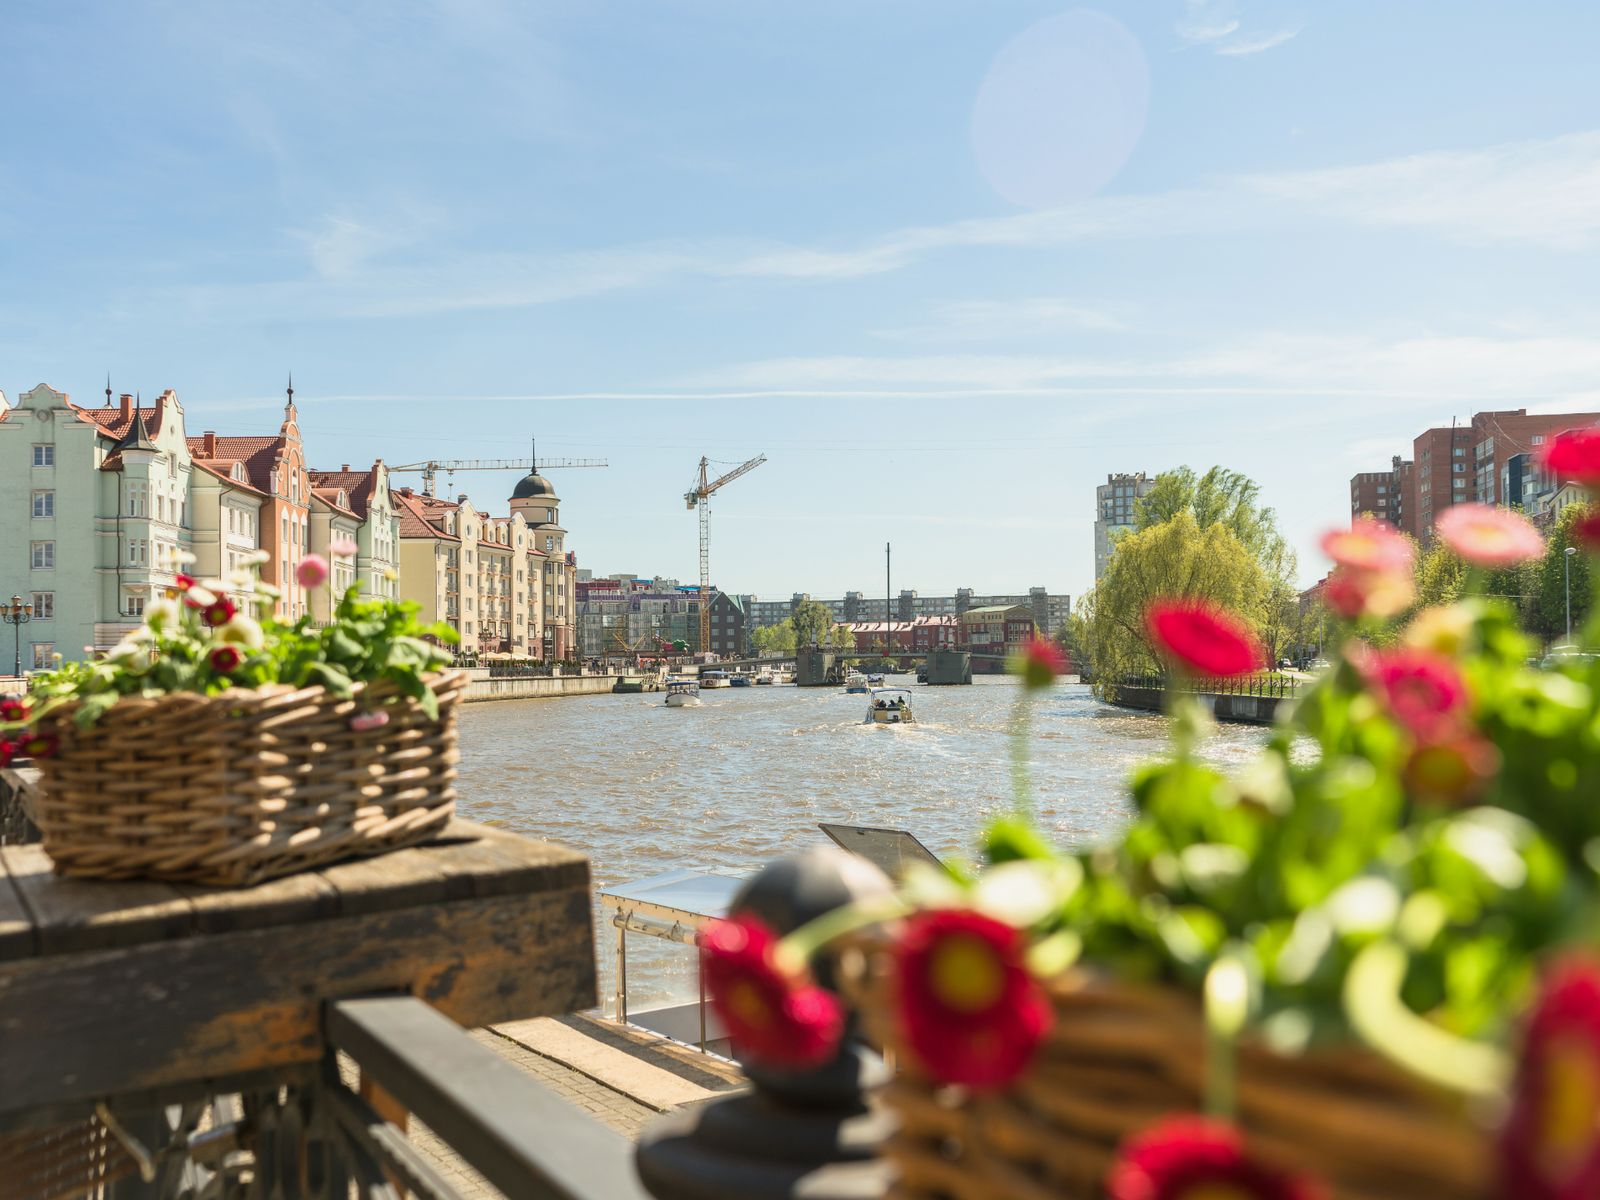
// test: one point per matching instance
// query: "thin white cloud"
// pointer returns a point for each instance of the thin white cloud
(1257, 44)
(995, 320)
(1218, 25)
(1542, 194)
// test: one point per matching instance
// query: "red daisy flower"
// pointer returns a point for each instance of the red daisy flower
(1187, 1158)
(1202, 638)
(773, 1015)
(1368, 545)
(1575, 455)
(8, 751)
(1040, 661)
(226, 659)
(36, 745)
(13, 708)
(1453, 771)
(969, 1010)
(219, 612)
(183, 582)
(1422, 690)
(1550, 1144)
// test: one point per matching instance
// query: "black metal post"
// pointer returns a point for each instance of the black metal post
(16, 616)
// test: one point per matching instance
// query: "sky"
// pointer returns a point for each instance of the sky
(947, 263)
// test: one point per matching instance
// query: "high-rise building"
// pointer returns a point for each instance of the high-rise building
(1382, 494)
(1114, 502)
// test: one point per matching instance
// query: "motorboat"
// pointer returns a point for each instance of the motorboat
(783, 675)
(874, 680)
(889, 706)
(740, 681)
(766, 677)
(683, 693)
(715, 679)
(856, 683)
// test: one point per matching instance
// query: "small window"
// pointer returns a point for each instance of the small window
(1458, 453)
(44, 654)
(135, 606)
(44, 555)
(44, 504)
(44, 456)
(44, 606)
(1538, 439)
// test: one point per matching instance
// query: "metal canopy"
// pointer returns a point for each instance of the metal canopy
(890, 850)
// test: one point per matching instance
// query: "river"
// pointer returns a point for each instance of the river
(745, 778)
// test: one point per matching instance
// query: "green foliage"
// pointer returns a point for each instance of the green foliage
(177, 650)
(1175, 558)
(841, 638)
(812, 622)
(774, 639)
(1547, 609)
(1219, 497)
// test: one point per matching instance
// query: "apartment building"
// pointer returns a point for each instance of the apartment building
(1114, 511)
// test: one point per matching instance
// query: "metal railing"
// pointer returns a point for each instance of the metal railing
(1265, 684)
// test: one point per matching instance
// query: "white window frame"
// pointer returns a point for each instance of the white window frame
(44, 454)
(42, 555)
(44, 654)
(44, 606)
(44, 503)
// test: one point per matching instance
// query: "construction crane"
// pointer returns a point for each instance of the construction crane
(699, 493)
(450, 466)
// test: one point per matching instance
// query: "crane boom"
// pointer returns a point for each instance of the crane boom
(433, 466)
(699, 494)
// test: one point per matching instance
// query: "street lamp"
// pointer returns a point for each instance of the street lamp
(17, 614)
(1570, 551)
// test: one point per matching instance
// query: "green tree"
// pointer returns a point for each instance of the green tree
(774, 639)
(841, 638)
(1547, 614)
(1441, 576)
(812, 622)
(1177, 557)
(1219, 497)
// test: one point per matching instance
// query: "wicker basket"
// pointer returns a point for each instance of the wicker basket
(244, 786)
(1120, 1057)
(67, 1162)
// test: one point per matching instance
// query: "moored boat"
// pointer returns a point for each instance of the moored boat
(740, 681)
(715, 679)
(856, 683)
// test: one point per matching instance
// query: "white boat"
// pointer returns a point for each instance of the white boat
(683, 693)
(874, 681)
(715, 679)
(856, 682)
(765, 677)
(889, 706)
(783, 675)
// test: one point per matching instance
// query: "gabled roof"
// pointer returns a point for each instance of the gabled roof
(359, 486)
(222, 468)
(329, 496)
(417, 514)
(259, 454)
(111, 422)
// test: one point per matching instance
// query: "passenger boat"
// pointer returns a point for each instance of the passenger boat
(856, 682)
(740, 681)
(765, 677)
(715, 679)
(889, 706)
(683, 693)
(783, 675)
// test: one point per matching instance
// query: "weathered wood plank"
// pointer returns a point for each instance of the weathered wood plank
(483, 861)
(16, 923)
(287, 901)
(79, 914)
(79, 1026)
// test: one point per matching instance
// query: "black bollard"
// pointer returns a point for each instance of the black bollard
(810, 1134)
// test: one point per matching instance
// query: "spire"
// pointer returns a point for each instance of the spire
(137, 437)
(290, 403)
(108, 389)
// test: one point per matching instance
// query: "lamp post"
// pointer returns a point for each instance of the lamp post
(1568, 553)
(17, 614)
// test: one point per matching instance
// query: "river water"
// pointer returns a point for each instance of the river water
(744, 778)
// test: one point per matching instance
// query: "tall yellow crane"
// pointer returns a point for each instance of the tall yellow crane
(699, 493)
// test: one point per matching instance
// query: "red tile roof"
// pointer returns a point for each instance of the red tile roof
(358, 486)
(258, 454)
(417, 514)
(113, 424)
(221, 468)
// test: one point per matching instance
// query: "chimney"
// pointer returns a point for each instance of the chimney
(405, 491)
(210, 440)
(344, 467)
(462, 498)
(127, 407)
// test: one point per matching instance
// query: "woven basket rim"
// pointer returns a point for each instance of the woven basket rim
(437, 681)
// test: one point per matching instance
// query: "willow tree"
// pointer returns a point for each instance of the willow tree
(1177, 557)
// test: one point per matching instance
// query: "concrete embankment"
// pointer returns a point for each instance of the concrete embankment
(539, 687)
(1248, 710)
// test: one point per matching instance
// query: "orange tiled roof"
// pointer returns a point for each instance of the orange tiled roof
(357, 485)
(113, 424)
(415, 511)
(221, 468)
(330, 497)
(258, 454)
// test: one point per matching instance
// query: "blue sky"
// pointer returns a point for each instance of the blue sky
(946, 262)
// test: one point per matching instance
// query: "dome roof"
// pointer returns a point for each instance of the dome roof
(531, 485)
